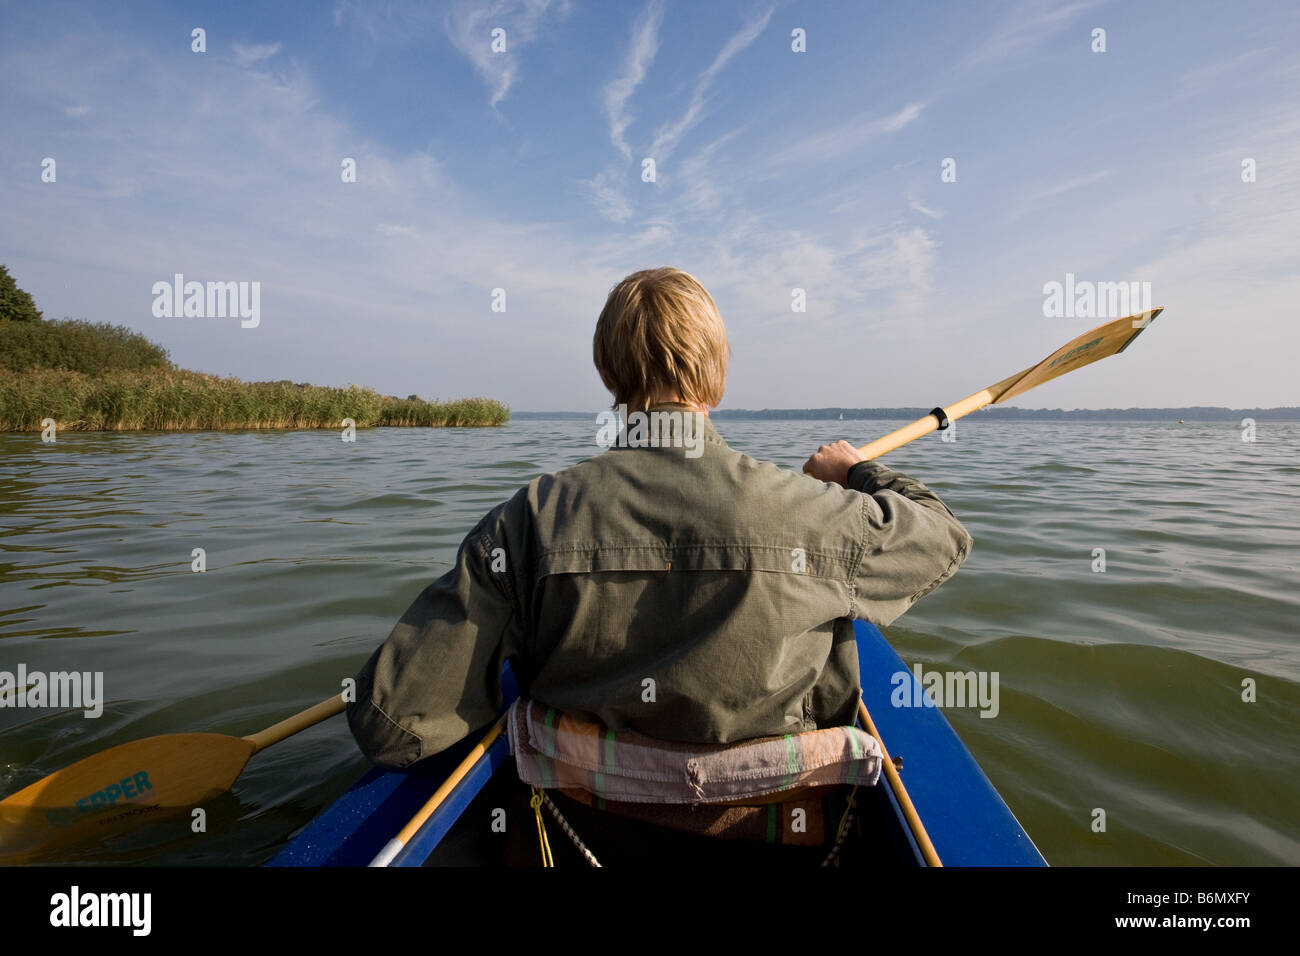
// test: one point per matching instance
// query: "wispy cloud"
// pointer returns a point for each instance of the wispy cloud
(654, 236)
(609, 198)
(1078, 182)
(670, 134)
(782, 174)
(847, 137)
(470, 24)
(1037, 198)
(918, 206)
(903, 262)
(696, 183)
(641, 53)
(246, 54)
(608, 190)
(880, 277)
(1238, 66)
(280, 216)
(388, 21)
(1023, 27)
(1243, 229)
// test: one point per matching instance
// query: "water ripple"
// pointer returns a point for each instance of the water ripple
(1120, 688)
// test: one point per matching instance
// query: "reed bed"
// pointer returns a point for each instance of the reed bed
(176, 400)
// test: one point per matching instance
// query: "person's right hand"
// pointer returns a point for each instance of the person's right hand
(832, 462)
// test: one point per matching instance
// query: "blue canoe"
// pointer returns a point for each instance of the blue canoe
(967, 821)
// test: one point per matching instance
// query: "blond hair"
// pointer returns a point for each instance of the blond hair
(660, 331)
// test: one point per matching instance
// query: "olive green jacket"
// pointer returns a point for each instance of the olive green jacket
(705, 598)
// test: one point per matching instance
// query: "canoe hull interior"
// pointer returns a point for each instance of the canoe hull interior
(968, 822)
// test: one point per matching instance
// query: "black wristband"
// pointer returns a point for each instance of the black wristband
(867, 465)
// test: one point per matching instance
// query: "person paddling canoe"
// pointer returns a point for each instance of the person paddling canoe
(670, 589)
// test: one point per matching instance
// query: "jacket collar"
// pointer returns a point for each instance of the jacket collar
(703, 421)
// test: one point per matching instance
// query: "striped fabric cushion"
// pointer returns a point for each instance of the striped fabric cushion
(554, 750)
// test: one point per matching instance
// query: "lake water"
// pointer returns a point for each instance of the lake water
(1120, 690)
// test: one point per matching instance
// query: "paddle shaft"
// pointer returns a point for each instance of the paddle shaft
(394, 846)
(905, 804)
(298, 722)
(923, 426)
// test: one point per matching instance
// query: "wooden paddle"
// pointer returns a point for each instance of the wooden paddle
(895, 780)
(394, 846)
(1103, 341)
(134, 780)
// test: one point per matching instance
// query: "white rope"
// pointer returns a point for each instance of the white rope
(564, 825)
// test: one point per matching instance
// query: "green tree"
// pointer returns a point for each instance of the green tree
(77, 346)
(15, 304)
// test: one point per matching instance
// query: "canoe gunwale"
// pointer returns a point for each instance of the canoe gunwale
(966, 818)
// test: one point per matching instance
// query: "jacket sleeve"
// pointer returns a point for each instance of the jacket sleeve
(911, 543)
(438, 676)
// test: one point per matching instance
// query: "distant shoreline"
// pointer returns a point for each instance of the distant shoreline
(1199, 413)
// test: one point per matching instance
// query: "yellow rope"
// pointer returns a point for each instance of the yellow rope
(536, 804)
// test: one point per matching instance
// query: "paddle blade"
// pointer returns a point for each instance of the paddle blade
(1101, 342)
(122, 786)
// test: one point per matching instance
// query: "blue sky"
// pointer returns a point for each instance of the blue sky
(775, 170)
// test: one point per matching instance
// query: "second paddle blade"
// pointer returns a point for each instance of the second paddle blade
(116, 789)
